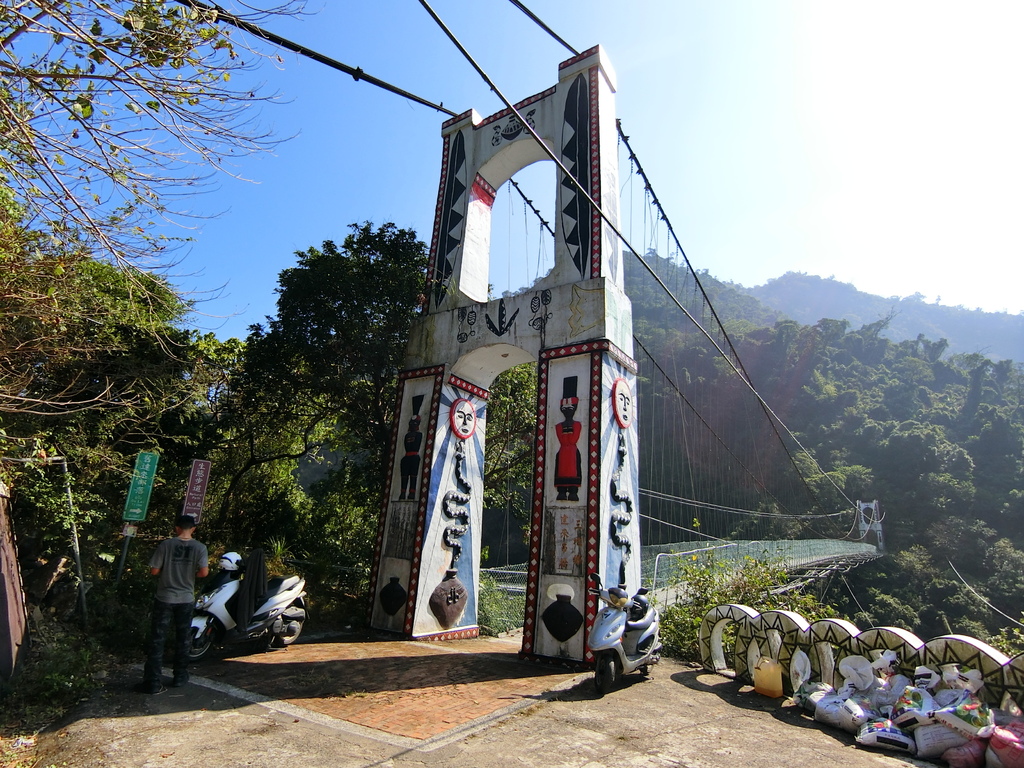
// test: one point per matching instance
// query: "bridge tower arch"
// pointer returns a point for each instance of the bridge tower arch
(576, 324)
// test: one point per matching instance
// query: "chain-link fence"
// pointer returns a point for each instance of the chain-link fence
(502, 599)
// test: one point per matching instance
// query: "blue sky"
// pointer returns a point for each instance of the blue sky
(876, 142)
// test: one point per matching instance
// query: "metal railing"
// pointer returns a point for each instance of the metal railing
(662, 569)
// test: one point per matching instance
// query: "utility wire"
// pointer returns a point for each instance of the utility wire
(978, 595)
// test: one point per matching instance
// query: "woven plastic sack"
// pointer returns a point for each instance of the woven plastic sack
(885, 696)
(970, 755)
(882, 734)
(991, 761)
(926, 677)
(858, 674)
(913, 708)
(809, 694)
(965, 679)
(828, 708)
(855, 712)
(950, 697)
(932, 740)
(1006, 716)
(884, 662)
(970, 717)
(799, 668)
(1007, 745)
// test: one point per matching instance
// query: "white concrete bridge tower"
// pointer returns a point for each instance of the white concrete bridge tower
(575, 323)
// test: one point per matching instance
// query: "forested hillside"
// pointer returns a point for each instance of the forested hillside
(809, 298)
(936, 435)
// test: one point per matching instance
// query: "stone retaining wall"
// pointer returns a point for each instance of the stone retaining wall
(14, 631)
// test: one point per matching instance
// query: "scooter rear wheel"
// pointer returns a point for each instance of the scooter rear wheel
(606, 673)
(281, 641)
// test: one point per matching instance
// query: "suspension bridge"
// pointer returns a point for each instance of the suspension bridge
(721, 473)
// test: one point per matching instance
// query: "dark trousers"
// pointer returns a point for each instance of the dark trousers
(162, 613)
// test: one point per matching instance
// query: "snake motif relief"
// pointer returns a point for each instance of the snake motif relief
(451, 506)
(618, 517)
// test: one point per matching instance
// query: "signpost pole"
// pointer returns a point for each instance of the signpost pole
(124, 548)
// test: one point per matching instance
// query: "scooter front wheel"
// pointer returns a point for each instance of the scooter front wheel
(200, 643)
(606, 673)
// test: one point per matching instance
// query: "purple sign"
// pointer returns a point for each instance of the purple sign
(196, 491)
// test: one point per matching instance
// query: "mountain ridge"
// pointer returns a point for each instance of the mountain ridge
(809, 298)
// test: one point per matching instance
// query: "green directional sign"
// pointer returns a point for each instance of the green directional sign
(137, 503)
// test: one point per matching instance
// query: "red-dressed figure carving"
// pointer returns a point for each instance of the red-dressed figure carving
(568, 464)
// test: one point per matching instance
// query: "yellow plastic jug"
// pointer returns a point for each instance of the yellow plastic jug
(768, 677)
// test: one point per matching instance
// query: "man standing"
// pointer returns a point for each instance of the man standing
(176, 562)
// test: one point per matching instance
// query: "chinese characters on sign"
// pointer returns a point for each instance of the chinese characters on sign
(196, 492)
(569, 542)
(137, 503)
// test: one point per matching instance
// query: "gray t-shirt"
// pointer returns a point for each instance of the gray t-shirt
(178, 561)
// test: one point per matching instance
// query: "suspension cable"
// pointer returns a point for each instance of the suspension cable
(358, 74)
(219, 14)
(536, 212)
(735, 510)
(700, 417)
(542, 25)
(773, 417)
(681, 528)
(738, 364)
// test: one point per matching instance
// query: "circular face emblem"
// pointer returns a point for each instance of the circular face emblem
(622, 403)
(462, 418)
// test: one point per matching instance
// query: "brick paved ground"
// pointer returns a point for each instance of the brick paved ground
(413, 689)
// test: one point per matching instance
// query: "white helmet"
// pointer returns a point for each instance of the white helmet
(230, 561)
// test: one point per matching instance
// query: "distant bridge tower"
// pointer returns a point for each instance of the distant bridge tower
(576, 324)
(870, 521)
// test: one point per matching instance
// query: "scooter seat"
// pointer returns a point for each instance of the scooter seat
(280, 584)
(642, 624)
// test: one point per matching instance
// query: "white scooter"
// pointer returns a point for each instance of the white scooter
(624, 637)
(277, 616)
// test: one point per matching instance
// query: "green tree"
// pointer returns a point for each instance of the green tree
(108, 109)
(318, 383)
(511, 425)
(340, 333)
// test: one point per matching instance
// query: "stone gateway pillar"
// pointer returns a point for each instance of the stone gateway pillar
(575, 323)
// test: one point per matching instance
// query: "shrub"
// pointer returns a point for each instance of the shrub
(60, 672)
(497, 609)
(1010, 640)
(712, 582)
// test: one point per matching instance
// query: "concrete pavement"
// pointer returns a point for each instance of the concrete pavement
(372, 702)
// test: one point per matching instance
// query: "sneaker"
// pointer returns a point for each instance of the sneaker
(180, 679)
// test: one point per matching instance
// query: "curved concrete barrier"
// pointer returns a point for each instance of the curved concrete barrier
(710, 634)
(779, 634)
(829, 641)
